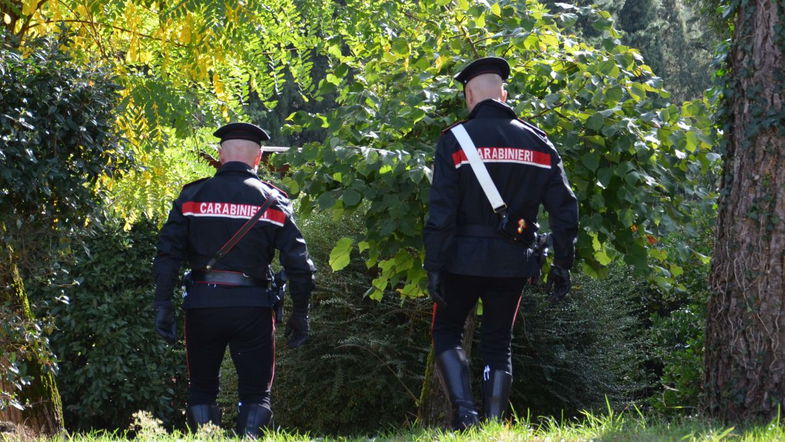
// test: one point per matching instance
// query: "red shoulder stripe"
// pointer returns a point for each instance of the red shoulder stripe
(232, 210)
(277, 188)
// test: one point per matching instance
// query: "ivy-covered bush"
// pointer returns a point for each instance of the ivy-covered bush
(112, 363)
(678, 323)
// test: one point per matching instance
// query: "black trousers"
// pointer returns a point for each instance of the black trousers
(500, 300)
(249, 333)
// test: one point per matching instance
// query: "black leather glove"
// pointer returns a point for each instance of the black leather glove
(559, 284)
(435, 288)
(165, 324)
(297, 329)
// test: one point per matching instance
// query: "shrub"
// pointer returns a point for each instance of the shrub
(677, 335)
(572, 356)
(112, 363)
(363, 365)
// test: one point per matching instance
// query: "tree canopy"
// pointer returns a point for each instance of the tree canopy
(180, 66)
(631, 155)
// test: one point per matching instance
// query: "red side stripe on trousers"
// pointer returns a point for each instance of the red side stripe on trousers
(515, 315)
(272, 370)
(433, 316)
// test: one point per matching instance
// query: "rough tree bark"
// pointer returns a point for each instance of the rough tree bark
(44, 413)
(745, 333)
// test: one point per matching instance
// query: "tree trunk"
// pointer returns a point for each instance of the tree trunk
(745, 331)
(44, 411)
(434, 408)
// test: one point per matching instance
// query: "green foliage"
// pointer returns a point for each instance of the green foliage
(112, 363)
(674, 37)
(579, 354)
(57, 143)
(57, 134)
(363, 364)
(147, 191)
(678, 344)
(632, 157)
(361, 369)
(676, 325)
(22, 341)
(181, 66)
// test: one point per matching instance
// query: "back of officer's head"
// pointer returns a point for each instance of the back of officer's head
(246, 151)
(483, 87)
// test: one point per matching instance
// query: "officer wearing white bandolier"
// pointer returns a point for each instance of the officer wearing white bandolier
(476, 250)
(226, 228)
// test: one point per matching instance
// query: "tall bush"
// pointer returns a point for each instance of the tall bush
(56, 144)
(362, 367)
(576, 355)
(678, 328)
(112, 363)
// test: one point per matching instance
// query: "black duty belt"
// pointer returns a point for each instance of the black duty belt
(223, 277)
(480, 230)
(484, 231)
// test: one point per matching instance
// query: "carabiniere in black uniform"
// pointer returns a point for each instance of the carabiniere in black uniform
(468, 257)
(231, 303)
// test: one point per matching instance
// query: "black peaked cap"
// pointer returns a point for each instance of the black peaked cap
(485, 65)
(242, 131)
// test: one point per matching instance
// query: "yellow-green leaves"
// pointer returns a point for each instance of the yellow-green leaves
(183, 65)
(341, 254)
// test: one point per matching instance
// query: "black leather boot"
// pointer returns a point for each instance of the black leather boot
(496, 386)
(201, 414)
(252, 418)
(454, 368)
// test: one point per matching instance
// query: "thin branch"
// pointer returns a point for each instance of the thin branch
(96, 36)
(119, 28)
(26, 25)
(548, 109)
(468, 37)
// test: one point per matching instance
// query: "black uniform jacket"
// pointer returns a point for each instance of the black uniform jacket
(527, 171)
(206, 214)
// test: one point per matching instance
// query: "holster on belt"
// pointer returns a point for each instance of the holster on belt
(277, 292)
(517, 229)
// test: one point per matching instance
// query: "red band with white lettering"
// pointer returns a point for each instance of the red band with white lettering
(232, 210)
(506, 155)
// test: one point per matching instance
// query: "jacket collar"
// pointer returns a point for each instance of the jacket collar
(492, 108)
(235, 166)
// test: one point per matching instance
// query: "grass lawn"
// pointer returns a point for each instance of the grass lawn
(606, 427)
